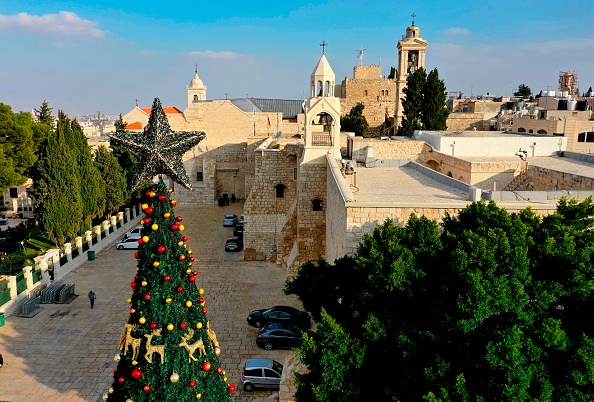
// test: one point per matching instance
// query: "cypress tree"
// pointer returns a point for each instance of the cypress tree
(116, 189)
(126, 159)
(56, 186)
(44, 114)
(434, 112)
(412, 103)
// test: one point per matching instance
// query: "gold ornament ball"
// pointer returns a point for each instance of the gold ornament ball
(201, 291)
(144, 283)
(189, 271)
(142, 320)
(155, 226)
(145, 239)
(174, 378)
(185, 246)
(180, 243)
(225, 379)
(189, 251)
(137, 268)
(182, 228)
(156, 264)
(166, 215)
(129, 300)
(224, 372)
(144, 206)
(218, 352)
(134, 363)
(170, 190)
(198, 396)
(117, 358)
(110, 390)
(129, 400)
(170, 327)
(188, 303)
(105, 396)
(198, 325)
(168, 300)
(152, 194)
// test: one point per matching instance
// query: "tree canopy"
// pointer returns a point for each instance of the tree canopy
(523, 91)
(355, 121)
(492, 307)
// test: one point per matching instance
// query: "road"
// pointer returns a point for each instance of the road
(65, 353)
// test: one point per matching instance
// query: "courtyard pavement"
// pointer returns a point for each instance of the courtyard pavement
(65, 353)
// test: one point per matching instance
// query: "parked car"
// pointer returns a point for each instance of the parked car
(281, 314)
(275, 338)
(234, 243)
(261, 373)
(2, 361)
(241, 219)
(230, 220)
(135, 233)
(127, 242)
(238, 230)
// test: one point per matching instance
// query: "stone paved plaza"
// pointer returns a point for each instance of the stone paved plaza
(65, 353)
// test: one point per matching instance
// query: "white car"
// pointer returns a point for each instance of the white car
(128, 242)
(135, 233)
(241, 219)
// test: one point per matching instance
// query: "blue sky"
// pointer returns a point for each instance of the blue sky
(89, 56)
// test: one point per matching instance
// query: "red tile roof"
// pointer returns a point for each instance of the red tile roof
(167, 110)
(134, 126)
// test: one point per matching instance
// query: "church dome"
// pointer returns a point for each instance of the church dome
(196, 82)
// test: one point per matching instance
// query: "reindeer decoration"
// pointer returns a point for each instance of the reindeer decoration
(211, 335)
(150, 349)
(130, 341)
(192, 348)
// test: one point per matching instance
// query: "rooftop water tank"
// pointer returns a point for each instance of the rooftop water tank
(571, 104)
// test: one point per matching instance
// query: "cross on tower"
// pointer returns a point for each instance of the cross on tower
(323, 44)
(99, 121)
(136, 102)
(413, 15)
(196, 67)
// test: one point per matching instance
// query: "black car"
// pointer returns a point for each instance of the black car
(280, 314)
(238, 230)
(274, 337)
(234, 243)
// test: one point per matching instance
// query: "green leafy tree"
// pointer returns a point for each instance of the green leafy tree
(490, 308)
(412, 103)
(355, 121)
(126, 159)
(116, 190)
(434, 112)
(523, 91)
(44, 114)
(55, 187)
(90, 182)
(168, 351)
(393, 73)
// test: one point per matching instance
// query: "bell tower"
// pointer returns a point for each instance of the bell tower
(411, 56)
(196, 89)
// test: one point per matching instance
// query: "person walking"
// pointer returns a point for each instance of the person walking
(92, 298)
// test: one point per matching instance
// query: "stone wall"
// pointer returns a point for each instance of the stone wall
(361, 149)
(338, 195)
(545, 179)
(467, 121)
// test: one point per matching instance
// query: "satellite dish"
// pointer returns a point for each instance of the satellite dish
(278, 135)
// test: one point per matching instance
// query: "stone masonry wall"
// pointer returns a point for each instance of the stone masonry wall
(384, 149)
(550, 180)
(336, 218)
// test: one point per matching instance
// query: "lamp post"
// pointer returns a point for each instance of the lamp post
(254, 118)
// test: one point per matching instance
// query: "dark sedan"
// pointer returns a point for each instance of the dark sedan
(280, 314)
(277, 337)
(234, 243)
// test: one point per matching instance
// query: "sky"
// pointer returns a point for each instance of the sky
(88, 56)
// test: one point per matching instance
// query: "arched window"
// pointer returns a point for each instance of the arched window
(365, 93)
(531, 131)
(280, 190)
(387, 92)
(316, 204)
(521, 130)
(542, 131)
(195, 98)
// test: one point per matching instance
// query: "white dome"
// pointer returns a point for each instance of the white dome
(196, 82)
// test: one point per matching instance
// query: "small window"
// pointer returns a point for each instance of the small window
(387, 93)
(257, 372)
(295, 173)
(280, 190)
(14, 193)
(270, 374)
(316, 205)
(199, 176)
(590, 136)
(365, 93)
(195, 98)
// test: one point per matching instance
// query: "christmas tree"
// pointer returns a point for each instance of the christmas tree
(167, 351)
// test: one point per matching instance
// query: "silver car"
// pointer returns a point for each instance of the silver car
(128, 243)
(261, 373)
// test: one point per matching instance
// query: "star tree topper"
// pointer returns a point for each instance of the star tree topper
(158, 149)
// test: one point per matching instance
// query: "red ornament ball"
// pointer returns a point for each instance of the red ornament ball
(201, 300)
(175, 226)
(132, 310)
(133, 285)
(219, 370)
(161, 249)
(192, 383)
(161, 197)
(192, 258)
(231, 388)
(115, 372)
(135, 276)
(192, 279)
(195, 273)
(179, 218)
(182, 325)
(147, 296)
(121, 380)
(181, 257)
(136, 373)
(167, 278)
(150, 210)
(148, 193)
(204, 311)
(180, 289)
(147, 220)
(153, 325)
(147, 388)
(140, 241)
(185, 238)
(206, 366)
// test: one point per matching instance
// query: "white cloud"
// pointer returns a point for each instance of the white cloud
(209, 54)
(457, 31)
(64, 23)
